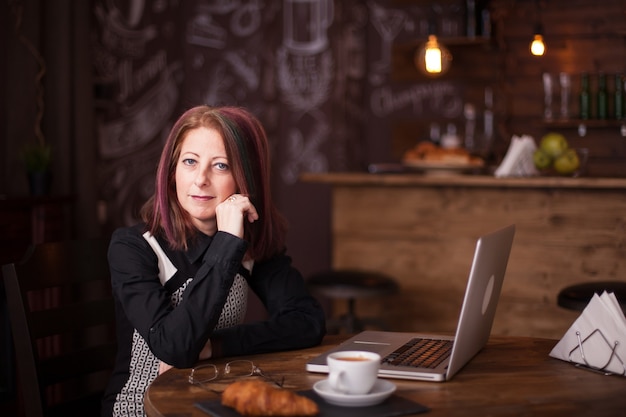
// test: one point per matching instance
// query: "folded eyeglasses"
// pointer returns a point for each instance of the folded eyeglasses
(203, 374)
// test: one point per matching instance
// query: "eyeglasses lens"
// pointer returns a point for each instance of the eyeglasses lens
(203, 374)
(237, 369)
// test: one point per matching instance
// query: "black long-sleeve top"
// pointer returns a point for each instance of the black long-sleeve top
(174, 299)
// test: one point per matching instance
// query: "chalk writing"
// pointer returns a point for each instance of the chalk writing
(141, 120)
(136, 80)
(138, 64)
(435, 98)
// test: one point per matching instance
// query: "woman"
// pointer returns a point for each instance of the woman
(210, 232)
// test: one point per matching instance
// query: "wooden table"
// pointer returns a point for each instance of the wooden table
(512, 376)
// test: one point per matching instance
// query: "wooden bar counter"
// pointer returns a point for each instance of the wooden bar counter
(422, 230)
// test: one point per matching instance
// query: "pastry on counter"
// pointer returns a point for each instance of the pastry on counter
(429, 152)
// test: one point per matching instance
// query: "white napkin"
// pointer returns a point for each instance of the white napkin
(518, 161)
(597, 329)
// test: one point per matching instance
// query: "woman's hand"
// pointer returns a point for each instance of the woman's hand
(230, 214)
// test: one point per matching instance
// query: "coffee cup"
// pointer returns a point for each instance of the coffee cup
(353, 372)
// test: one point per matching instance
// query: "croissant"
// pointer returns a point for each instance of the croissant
(428, 151)
(257, 398)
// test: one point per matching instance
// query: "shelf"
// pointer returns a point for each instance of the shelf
(592, 123)
(583, 125)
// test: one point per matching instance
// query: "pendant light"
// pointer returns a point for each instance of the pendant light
(537, 46)
(432, 57)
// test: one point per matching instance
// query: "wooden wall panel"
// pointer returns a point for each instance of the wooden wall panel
(425, 237)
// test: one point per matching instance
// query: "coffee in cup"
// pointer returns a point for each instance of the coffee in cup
(353, 372)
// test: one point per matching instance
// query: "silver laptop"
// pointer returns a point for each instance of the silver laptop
(431, 357)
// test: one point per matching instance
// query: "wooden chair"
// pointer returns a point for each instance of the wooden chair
(62, 319)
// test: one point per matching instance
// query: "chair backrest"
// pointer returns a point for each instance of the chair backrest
(62, 319)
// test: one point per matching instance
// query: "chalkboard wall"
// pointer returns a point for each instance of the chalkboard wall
(318, 73)
(298, 65)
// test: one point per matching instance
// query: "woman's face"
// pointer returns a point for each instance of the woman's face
(203, 177)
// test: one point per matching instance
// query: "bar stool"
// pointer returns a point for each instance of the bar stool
(350, 285)
(576, 297)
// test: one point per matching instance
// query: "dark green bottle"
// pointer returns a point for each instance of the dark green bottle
(618, 102)
(602, 100)
(584, 96)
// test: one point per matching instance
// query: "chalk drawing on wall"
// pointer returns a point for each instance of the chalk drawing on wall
(140, 121)
(119, 28)
(304, 61)
(246, 19)
(388, 24)
(205, 27)
(147, 92)
(231, 79)
(203, 31)
(304, 82)
(440, 99)
(303, 148)
(135, 62)
(305, 67)
(305, 25)
(127, 185)
(227, 67)
(347, 146)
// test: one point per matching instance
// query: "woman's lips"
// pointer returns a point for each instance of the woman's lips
(202, 197)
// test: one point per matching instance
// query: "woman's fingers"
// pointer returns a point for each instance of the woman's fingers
(232, 212)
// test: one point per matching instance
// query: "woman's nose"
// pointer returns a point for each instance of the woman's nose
(202, 178)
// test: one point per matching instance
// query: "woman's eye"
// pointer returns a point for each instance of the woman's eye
(221, 166)
(189, 161)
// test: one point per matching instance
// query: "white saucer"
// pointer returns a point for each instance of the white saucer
(381, 391)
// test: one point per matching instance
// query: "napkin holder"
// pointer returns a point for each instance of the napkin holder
(612, 347)
(597, 339)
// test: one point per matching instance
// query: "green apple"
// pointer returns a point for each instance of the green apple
(567, 163)
(541, 159)
(554, 144)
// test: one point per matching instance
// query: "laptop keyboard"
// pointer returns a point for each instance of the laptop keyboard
(420, 353)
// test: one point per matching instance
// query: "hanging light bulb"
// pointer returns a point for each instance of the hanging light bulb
(433, 58)
(432, 55)
(537, 46)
